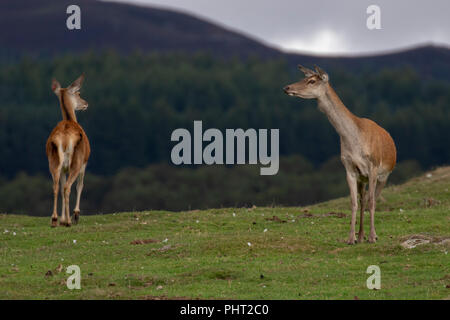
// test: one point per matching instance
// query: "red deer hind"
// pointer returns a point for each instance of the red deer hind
(367, 150)
(67, 150)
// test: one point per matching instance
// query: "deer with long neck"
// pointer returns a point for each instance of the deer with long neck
(368, 152)
(68, 151)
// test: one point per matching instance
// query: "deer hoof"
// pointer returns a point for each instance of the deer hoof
(76, 217)
(361, 238)
(54, 222)
(351, 241)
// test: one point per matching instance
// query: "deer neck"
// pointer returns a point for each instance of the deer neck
(68, 112)
(339, 116)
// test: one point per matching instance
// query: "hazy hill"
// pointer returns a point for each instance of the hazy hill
(428, 61)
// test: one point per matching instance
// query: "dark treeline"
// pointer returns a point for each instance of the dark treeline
(161, 186)
(136, 101)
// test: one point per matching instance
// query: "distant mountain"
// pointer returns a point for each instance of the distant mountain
(38, 27)
(428, 61)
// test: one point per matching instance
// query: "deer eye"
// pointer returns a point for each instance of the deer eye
(312, 81)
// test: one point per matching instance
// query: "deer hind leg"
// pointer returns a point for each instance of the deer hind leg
(76, 211)
(63, 179)
(55, 176)
(73, 174)
(362, 203)
(380, 185)
(55, 165)
(372, 204)
(352, 184)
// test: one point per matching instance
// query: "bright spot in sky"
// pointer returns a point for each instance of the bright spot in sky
(324, 41)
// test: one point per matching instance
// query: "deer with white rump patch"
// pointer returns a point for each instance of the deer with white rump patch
(367, 150)
(67, 150)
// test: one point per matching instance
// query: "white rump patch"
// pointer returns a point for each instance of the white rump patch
(67, 156)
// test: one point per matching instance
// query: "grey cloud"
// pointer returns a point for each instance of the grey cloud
(325, 25)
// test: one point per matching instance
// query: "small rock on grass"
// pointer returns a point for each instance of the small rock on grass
(143, 241)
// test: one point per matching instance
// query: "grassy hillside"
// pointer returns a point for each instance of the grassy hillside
(257, 253)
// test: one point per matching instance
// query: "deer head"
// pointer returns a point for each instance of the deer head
(313, 86)
(71, 94)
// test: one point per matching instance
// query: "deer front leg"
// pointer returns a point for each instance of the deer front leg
(352, 184)
(362, 204)
(76, 211)
(372, 202)
(67, 186)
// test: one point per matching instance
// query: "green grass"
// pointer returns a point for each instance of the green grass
(209, 257)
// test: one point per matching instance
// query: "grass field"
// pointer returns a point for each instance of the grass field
(257, 253)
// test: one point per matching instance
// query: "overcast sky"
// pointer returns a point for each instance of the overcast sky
(325, 26)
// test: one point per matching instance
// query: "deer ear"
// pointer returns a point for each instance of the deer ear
(306, 71)
(55, 86)
(322, 74)
(76, 85)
